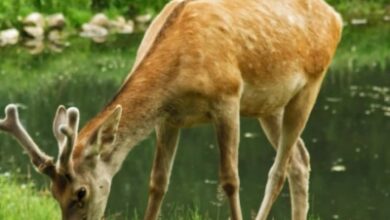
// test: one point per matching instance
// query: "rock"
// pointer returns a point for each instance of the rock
(35, 46)
(34, 26)
(119, 25)
(55, 36)
(55, 48)
(96, 33)
(35, 32)
(56, 41)
(56, 21)
(100, 20)
(97, 28)
(99, 39)
(143, 19)
(9, 37)
(92, 30)
(34, 19)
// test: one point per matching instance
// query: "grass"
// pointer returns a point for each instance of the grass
(24, 201)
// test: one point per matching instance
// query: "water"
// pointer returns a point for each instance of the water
(347, 134)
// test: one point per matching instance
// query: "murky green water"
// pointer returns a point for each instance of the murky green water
(347, 135)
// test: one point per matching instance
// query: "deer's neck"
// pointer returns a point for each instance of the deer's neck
(141, 100)
(141, 104)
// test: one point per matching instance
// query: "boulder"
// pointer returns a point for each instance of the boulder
(34, 19)
(143, 19)
(56, 21)
(100, 20)
(9, 37)
(35, 32)
(121, 26)
(95, 32)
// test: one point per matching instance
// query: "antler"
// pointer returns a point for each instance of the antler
(12, 125)
(65, 129)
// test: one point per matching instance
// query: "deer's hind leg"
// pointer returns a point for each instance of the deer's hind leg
(295, 116)
(298, 168)
(227, 124)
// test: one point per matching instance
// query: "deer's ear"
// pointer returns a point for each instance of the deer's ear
(105, 135)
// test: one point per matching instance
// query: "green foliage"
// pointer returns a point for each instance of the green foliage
(363, 47)
(359, 8)
(76, 11)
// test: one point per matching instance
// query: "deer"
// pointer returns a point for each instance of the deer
(200, 61)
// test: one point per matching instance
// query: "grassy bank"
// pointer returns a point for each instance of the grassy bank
(80, 11)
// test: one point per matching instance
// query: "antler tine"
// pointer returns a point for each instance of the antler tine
(69, 130)
(11, 124)
(59, 119)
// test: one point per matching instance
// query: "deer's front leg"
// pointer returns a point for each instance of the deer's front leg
(227, 128)
(167, 139)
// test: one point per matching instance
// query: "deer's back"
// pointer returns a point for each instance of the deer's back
(268, 49)
(263, 37)
(264, 50)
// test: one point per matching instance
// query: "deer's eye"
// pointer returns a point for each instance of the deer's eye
(81, 193)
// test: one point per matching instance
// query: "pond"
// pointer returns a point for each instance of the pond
(347, 134)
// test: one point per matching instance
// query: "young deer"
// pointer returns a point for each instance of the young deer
(200, 61)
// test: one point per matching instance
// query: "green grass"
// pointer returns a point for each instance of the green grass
(25, 201)
(177, 213)
(20, 200)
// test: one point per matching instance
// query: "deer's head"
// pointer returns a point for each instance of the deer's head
(81, 181)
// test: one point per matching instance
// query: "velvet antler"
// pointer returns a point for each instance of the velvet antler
(65, 129)
(11, 124)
